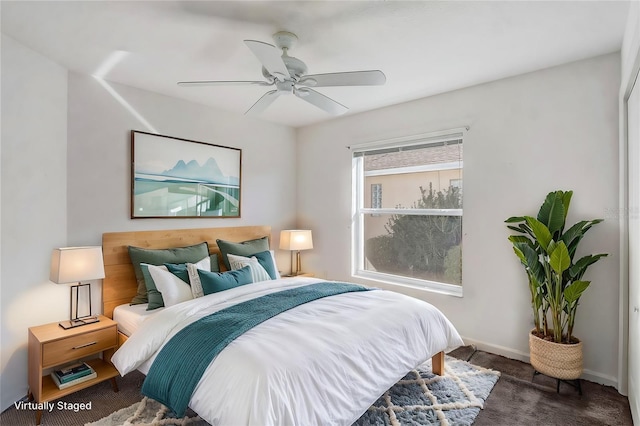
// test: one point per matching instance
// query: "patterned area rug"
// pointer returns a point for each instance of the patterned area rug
(419, 398)
(422, 398)
(148, 413)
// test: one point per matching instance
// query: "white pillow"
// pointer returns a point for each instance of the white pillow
(258, 273)
(173, 289)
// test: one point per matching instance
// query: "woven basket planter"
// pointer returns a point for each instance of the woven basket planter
(557, 360)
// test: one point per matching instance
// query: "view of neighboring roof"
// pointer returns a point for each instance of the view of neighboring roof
(409, 156)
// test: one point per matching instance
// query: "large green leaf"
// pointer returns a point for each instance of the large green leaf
(573, 245)
(574, 290)
(545, 208)
(574, 232)
(533, 263)
(552, 212)
(566, 200)
(559, 259)
(580, 267)
(540, 231)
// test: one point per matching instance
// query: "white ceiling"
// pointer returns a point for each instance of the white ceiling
(423, 47)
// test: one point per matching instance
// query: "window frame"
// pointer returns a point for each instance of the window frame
(359, 211)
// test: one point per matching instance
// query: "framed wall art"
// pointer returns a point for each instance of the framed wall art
(180, 178)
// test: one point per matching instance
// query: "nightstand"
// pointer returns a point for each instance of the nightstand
(301, 274)
(50, 346)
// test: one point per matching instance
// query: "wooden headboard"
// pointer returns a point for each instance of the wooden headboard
(119, 285)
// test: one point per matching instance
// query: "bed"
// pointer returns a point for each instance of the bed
(323, 362)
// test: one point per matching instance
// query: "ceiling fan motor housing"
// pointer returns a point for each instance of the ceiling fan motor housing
(295, 66)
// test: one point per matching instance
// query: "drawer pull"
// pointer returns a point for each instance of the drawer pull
(85, 345)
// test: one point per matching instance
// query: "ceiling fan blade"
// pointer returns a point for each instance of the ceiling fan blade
(353, 78)
(321, 101)
(223, 83)
(270, 58)
(263, 102)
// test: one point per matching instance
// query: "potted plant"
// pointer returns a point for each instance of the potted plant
(547, 250)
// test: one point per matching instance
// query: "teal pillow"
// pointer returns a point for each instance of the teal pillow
(265, 259)
(245, 248)
(180, 269)
(138, 255)
(213, 282)
(154, 297)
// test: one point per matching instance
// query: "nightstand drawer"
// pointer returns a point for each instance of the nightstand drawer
(63, 350)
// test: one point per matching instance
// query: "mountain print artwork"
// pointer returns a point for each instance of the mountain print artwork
(181, 178)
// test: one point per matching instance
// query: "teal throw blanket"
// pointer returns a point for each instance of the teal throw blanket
(180, 364)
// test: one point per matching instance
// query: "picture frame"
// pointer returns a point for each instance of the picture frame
(180, 178)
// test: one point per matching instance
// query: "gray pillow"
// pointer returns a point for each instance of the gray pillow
(245, 248)
(138, 255)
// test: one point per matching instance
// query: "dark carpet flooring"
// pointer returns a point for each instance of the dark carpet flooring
(514, 401)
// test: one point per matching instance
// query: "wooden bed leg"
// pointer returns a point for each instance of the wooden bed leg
(437, 364)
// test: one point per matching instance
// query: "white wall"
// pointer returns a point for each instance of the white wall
(99, 172)
(630, 42)
(34, 203)
(66, 180)
(100, 159)
(529, 135)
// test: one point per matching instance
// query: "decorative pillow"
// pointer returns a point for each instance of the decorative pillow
(264, 258)
(153, 296)
(194, 281)
(275, 266)
(140, 255)
(268, 262)
(245, 248)
(173, 289)
(213, 282)
(180, 269)
(258, 273)
(154, 292)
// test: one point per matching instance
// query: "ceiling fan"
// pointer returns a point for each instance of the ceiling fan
(288, 74)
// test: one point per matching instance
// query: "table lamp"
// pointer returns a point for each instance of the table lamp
(296, 240)
(73, 265)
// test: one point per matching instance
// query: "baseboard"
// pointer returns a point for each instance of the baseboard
(590, 375)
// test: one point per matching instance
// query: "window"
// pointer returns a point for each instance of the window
(414, 235)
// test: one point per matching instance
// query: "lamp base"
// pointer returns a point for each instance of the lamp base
(78, 322)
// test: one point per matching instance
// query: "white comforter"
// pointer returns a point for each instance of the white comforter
(324, 362)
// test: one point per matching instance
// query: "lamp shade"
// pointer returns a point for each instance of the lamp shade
(296, 239)
(75, 264)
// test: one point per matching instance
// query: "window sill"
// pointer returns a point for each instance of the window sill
(430, 286)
